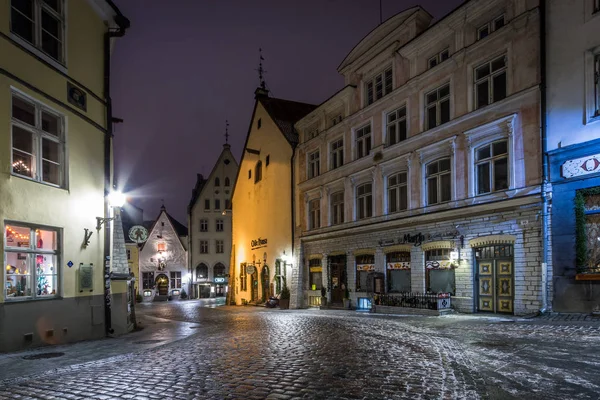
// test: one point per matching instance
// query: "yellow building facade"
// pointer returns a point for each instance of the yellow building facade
(55, 168)
(261, 262)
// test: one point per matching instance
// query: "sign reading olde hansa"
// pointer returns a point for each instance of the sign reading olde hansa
(258, 243)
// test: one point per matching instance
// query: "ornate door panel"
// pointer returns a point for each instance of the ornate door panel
(504, 286)
(496, 276)
(486, 286)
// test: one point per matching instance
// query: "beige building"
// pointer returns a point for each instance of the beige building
(423, 173)
(262, 233)
(56, 173)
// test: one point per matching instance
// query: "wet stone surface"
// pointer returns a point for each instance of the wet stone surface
(257, 353)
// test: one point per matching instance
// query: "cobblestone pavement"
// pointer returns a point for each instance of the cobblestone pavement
(256, 353)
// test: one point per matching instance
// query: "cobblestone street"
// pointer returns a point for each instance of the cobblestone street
(190, 351)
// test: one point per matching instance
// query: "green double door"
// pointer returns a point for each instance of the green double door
(495, 274)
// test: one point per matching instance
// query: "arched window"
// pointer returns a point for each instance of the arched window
(258, 172)
(226, 181)
(201, 272)
(219, 270)
(218, 182)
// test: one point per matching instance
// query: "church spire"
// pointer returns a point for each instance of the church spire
(226, 145)
(262, 89)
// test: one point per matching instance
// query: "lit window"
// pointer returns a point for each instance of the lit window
(219, 270)
(396, 126)
(219, 224)
(364, 201)
(397, 192)
(37, 142)
(31, 258)
(437, 106)
(337, 153)
(491, 26)
(363, 141)
(314, 214)
(204, 247)
(175, 280)
(219, 246)
(201, 272)
(379, 86)
(41, 23)
(148, 280)
(313, 164)
(337, 208)
(203, 225)
(438, 58)
(491, 167)
(439, 184)
(315, 276)
(258, 172)
(490, 82)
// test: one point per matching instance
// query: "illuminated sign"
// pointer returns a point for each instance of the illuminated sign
(258, 243)
(219, 280)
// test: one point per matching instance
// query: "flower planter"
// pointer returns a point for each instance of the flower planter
(284, 304)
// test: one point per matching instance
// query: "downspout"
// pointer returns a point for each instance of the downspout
(122, 23)
(545, 200)
(293, 218)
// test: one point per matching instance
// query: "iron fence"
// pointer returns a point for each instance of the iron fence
(430, 301)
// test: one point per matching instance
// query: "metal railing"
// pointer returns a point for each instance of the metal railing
(430, 301)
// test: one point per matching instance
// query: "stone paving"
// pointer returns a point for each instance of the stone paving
(257, 353)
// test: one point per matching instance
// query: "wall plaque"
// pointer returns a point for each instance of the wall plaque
(76, 96)
(581, 166)
(86, 277)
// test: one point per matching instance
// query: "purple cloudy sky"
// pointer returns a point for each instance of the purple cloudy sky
(185, 66)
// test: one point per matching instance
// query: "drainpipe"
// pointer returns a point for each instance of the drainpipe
(293, 218)
(545, 199)
(122, 23)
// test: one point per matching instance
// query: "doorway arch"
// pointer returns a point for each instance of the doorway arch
(162, 284)
(264, 281)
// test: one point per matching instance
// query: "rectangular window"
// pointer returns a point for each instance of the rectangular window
(379, 86)
(32, 262)
(364, 201)
(206, 204)
(38, 147)
(203, 225)
(41, 23)
(486, 29)
(314, 214)
(243, 276)
(217, 204)
(490, 82)
(437, 108)
(148, 280)
(439, 184)
(363, 141)
(313, 165)
(204, 247)
(397, 192)
(597, 83)
(227, 204)
(337, 153)
(336, 120)
(398, 271)
(337, 208)
(219, 225)
(438, 58)
(128, 255)
(175, 280)
(491, 167)
(440, 272)
(396, 126)
(315, 274)
(364, 264)
(219, 245)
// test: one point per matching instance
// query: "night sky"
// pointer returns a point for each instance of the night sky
(185, 66)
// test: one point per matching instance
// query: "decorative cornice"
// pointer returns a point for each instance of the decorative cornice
(492, 239)
(439, 244)
(315, 256)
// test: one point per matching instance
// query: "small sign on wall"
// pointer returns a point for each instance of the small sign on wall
(581, 166)
(86, 277)
(76, 96)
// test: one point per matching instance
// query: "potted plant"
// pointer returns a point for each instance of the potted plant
(284, 298)
(346, 298)
(323, 297)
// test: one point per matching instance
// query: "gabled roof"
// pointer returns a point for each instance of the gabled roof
(200, 182)
(181, 229)
(285, 113)
(178, 227)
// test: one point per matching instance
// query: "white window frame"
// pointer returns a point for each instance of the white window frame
(490, 79)
(442, 149)
(203, 225)
(32, 250)
(336, 154)
(395, 123)
(203, 246)
(313, 164)
(363, 139)
(394, 166)
(500, 129)
(341, 206)
(314, 214)
(490, 26)
(219, 246)
(437, 104)
(357, 201)
(36, 46)
(219, 225)
(38, 135)
(592, 85)
(437, 176)
(372, 82)
(396, 188)
(438, 58)
(490, 161)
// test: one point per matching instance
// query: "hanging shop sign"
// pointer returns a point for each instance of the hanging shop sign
(250, 269)
(399, 265)
(219, 280)
(365, 267)
(581, 166)
(258, 243)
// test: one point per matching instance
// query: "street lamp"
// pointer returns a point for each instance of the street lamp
(116, 199)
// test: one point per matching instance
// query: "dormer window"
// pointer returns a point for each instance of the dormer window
(439, 58)
(491, 26)
(379, 86)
